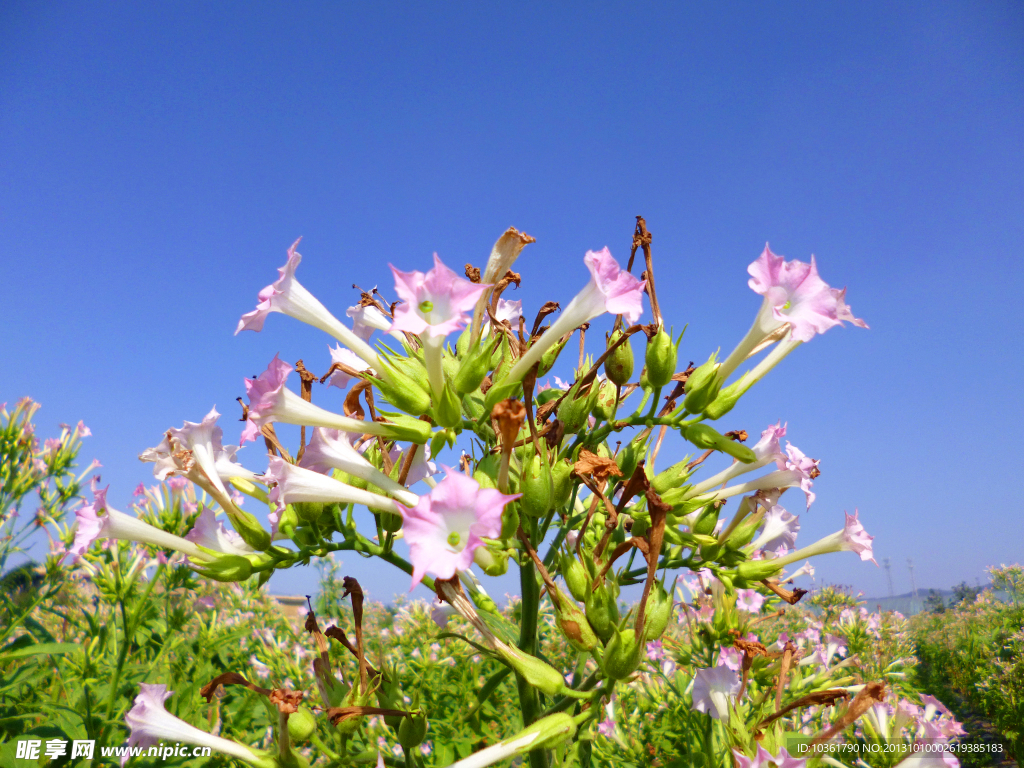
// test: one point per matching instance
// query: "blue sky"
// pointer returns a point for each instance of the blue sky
(158, 159)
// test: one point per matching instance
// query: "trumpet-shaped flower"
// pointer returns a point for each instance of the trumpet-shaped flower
(611, 289)
(270, 400)
(292, 484)
(151, 723)
(434, 303)
(765, 759)
(749, 600)
(766, 450)
(446, 526)
(367, 318)
(92, 526)
(339, 378)
(713, 690)
(289, 297)
(422, 467)
(852, 538)
(804, 466)
(330, 449)
(209, 532)
(204, 441)
(780, 529)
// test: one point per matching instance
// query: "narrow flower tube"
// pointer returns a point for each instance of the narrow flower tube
(91, 526)
(547, 732)
(151, 724)
(295, 484)
(610, 289)
(330, 449)
(271, 401)
(288, 296)
(767, 450)
(852, 538)
(795, 470)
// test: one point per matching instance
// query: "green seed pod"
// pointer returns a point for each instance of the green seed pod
(618, 366)
(602, 611)
(547, 360)
(462, 345)
(474, 369)
(725, 401)
(623, 654)
(400, 390)
(509, 521)
(576, 406)
(535, 485)
(706, 521)
(673, 477)
(702, 386)
(757, 570)
(629, 457)
(390, 522)
(561, 483)
(412, 731)
(308, 511)
(572, 622)
(493, 560)
(301, 725)
(661, 358)
(539, 674)
(575, 575)
(249, 528)
(744, 532)
(604, 406)
(706, 437)
(226, 568)
(658, 612)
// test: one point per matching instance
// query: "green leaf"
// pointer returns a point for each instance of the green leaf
(39, 648)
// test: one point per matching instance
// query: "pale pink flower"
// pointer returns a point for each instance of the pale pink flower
(440, 612)
(764, 759)
(209, 532)
(288, 296)
(749, 600)
(713, 690)
(292, 484)
(446, 526)
(422, 467)
(796, 295)
(339, 378)
(780, 530)
(611, 289)
(731, 657)
(330, 449)
(434, 303)
(151, 724)
(853, 538)
(607, 726)
(367, 319)
(805, 467)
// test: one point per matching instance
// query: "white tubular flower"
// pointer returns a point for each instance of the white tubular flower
(151, 724)
(210, 533)
(295, 484)
(853, 538)
(117, 525)
(330, 449)
(549, 731)
(287, 296)
(367, 318)
(610, 289)
(767, 450)
(780, 528)
(204, 441)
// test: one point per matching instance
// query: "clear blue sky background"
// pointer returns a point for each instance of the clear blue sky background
(158, 159)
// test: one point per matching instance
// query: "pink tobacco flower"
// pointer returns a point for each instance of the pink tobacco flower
(367, 319)
(713, 690)
(446, 527)
(339, 378)
(330, 449)
(288, 296)
(796, 295)
(766, 450)
(209, 532)
(764, 759)
(805, 467)
(435, 303)
(611, 289)
(853, 538)
(749, 600)
(780, 530)
(731, 657)
(151, 723)
(293, 484)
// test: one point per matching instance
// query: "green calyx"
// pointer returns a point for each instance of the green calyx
(661, 358)
(618, 366)
(702, 386)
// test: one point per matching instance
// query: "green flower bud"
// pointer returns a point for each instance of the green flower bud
(509, 521)
(702, 386)
(554, 730)
(448, 412)
(640, 525)
(462, 345)
(388, 692)
(757, 570)
(618, 366)
(412, 731)
(561, 483)
(576, 406)
(537, 673)
(506, 361)
(744, 532)
(629, 457)
(308, 511)
(547, 360)
(535, 485)
(673, 477)
(355, 698)
(406, 429)
(474, 368)
(412, 367)
(602, 611)
(498, 392)
(572, 622)
(623, 654)
(492, 559)
(249, 528)
(706, 437)
(725, 401)
(661, 358)
(575, 575)
(288, 522)
(390, 522)
(400, 390)
(604, 406)
(706, 520)
(227, 568)
(301, 725)
(658, 612)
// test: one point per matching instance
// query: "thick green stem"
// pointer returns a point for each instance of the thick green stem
(529, 699)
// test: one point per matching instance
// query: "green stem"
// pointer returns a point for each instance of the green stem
(529, 699)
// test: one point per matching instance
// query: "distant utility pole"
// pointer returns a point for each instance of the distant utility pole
(913, 584)
(888, 573)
